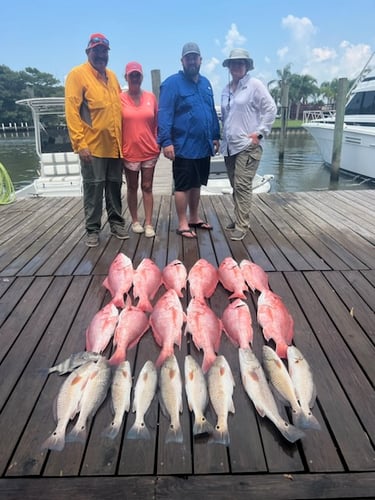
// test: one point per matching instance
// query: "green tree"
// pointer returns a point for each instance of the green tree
(15, 85)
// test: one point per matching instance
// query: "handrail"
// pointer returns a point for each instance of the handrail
(318, 114)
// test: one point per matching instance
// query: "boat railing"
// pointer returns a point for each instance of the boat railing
(319, 114)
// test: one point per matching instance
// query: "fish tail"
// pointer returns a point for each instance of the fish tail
(281, 350)
(112, 430)
(164, 354)
(221, 435)
(202, 426)
(77, 434)
(208, 359)
(117, 357)
(55, 442)
(145, 305)
(118, 301)
(306, 421)
(138, 431)
(290, 432)
(174, 434)
(237, 295)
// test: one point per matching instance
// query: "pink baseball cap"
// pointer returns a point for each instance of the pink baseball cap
(132, 67)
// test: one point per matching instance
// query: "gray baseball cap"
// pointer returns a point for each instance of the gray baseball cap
(190, 48)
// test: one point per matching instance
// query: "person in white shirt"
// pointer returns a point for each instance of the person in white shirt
(248, 112)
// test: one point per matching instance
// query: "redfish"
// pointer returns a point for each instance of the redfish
(276, 321)
(132, 324)
(203, 279)
(237, 323)
(174, 275)
(147, 280)
(255, 276)
(231, 277)
(119, 279)
(101, 328)
(205, 328)
(166, 320)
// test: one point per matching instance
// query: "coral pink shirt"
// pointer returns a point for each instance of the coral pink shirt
(139, 127)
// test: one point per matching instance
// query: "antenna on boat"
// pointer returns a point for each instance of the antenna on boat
(360, 76)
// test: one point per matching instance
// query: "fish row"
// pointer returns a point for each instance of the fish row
(85, 389)
(203, 279)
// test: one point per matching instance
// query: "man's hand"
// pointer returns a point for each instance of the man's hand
(85, 155)
(168, 152)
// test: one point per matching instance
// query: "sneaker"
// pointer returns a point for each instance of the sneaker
(92, 239)
(137, 228)
(120, 232)
(237, 235)
(149, 231)
(231, 226)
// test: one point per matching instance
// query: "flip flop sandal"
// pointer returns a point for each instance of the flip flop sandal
(201, 225)
(184, 232)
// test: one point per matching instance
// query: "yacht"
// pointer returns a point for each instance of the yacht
(358, 140)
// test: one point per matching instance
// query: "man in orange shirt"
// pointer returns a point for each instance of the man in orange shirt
(93, 115)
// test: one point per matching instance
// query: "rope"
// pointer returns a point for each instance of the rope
(7, 193)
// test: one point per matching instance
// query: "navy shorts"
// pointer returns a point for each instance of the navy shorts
(190, 173)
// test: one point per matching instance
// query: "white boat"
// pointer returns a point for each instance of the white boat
(60, 171)
(358, 140)
(218, 182)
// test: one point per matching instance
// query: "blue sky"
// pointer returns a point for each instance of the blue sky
(326, 39)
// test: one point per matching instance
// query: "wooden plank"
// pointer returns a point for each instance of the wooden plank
(343, 420)
(257, 487)
(293, 229)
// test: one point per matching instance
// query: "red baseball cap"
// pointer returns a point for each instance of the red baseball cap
(98, 39)
(132, 67)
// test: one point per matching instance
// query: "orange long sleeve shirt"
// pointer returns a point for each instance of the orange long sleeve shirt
(93, 111)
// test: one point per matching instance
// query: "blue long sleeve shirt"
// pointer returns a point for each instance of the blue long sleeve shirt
(187, 117)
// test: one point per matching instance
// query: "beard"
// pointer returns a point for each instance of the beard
(191, 70)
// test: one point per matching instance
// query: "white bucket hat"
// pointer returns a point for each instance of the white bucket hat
(239, 54)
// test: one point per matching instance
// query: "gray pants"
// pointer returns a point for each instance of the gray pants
(241, 169)
(102, 176)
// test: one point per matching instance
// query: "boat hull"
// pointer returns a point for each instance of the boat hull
(358, 147)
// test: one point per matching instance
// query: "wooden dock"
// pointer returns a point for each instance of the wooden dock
(318, 249)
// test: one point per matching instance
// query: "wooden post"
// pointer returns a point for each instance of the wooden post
(284, 118)
(155, 78)
(339, 127)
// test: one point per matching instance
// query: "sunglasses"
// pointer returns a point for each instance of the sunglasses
(104, 41)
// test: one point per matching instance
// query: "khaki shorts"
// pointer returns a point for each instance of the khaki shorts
(136, 166)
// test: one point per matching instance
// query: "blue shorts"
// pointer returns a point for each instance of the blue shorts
(190, 173)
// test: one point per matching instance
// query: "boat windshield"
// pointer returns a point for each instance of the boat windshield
(362, 103)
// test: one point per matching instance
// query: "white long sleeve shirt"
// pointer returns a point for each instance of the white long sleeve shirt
(249, 109)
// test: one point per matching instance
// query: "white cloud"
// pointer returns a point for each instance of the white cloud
(301, 28)
(233, 39)
(283, 52)
(321, 54)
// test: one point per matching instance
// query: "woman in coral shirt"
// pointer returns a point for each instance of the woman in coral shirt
(140, 149)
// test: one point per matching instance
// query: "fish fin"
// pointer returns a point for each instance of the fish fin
(55, 442)
(306, 421)
(174, 434)
(290, 432)
(77, 435)
(117, 357)
(118, 301)
(145, 305)
(112, 430)
(231, 407)
(202, 427)
(138, 431)
(260, 411)
(220, 436)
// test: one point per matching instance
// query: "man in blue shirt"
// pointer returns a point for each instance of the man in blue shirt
(189, 133)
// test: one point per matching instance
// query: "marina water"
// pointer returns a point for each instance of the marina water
(301, 169)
